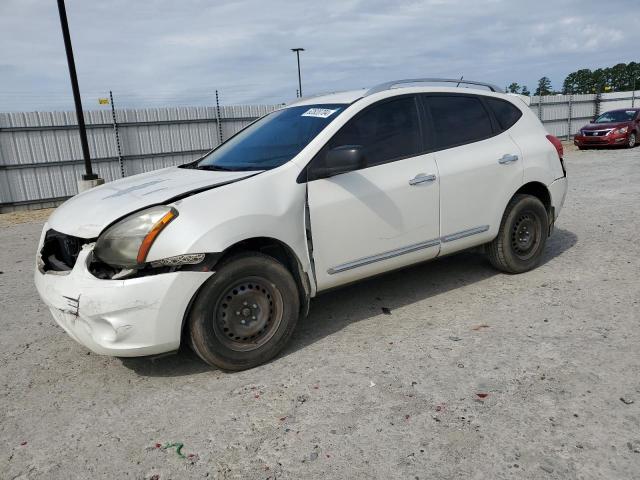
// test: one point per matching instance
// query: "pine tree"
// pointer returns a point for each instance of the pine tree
(544, 86)
(513, 88)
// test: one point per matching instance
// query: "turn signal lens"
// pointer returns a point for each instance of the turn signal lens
(151, 236)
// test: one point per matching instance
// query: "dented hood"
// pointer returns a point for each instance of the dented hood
(88, 213)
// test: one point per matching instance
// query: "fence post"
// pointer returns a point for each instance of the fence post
(218, 119)
(540, 108)
(117, 134)
(570, 115)
(598, 101)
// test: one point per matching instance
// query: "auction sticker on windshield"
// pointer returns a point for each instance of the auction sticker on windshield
(319, 112)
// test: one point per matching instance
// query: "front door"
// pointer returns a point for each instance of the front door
(384, 215)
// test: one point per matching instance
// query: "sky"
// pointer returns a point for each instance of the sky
(178, 52)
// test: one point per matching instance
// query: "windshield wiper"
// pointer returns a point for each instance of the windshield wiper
(216, 168)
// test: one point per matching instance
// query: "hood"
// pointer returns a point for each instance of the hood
(605, 126)
(88, 213)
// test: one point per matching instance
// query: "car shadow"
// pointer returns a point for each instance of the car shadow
(334, 310)
(337, 309)
(175, 364)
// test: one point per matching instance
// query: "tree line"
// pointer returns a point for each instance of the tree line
(622, 77)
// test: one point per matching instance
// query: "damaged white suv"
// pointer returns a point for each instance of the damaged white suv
(226, 252)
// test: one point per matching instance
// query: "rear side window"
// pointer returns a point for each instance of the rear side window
(458, 120)
(387, 131)
(506, 113)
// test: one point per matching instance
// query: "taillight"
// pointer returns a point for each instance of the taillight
(558, 144)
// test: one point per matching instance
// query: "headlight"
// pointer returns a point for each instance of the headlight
(620, 131)
(127, 243)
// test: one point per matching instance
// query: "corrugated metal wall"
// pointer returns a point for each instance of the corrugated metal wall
(563, 115)
(40, 153)
(41, 157)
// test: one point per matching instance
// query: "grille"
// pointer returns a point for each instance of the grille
(60, 251)
(598, 133)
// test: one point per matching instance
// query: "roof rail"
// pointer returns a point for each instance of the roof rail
(388, 85)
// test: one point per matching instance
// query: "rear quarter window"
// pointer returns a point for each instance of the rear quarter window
(506, 113)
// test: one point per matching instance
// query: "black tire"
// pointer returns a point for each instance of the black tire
(522, 236)
(252, 288)
(582, 148)
(632, 140)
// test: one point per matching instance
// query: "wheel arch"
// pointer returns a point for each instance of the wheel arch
(542, 193)
(538, 190)
(274, 248)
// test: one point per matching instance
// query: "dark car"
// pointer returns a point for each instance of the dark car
(614, 128)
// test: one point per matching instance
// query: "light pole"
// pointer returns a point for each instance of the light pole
(89, 179)
(298, 50)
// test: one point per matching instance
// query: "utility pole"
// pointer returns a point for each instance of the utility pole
(89, 179)
(298, 50)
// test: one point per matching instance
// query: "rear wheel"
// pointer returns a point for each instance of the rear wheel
(245, 314)
(631, 141)
(522, 236)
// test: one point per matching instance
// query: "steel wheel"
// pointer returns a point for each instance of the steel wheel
(522, 236)
(248, 314)
(525, 235)
(631, 141)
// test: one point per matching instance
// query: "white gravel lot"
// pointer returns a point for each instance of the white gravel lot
(360, 393)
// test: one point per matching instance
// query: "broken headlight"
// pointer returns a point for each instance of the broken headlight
(127, 243)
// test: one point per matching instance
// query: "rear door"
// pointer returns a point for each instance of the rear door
(384, 215)
(480, 167)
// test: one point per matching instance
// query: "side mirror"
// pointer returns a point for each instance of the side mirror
(342, 159)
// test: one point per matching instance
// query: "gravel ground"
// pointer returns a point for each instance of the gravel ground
(469, 374)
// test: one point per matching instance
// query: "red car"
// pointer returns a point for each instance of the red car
(614, 128)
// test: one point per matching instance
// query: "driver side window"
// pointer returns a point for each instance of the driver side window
(385, 132)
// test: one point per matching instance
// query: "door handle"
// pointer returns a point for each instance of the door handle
(422, 178)
(508, 158)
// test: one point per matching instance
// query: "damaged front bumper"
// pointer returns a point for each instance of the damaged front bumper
(127, 318)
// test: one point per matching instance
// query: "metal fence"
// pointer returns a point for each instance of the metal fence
(563, 115)
(41, 156)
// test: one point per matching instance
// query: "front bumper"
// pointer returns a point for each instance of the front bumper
(610, 140)
(127, 318)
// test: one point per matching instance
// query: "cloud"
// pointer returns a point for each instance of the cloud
(166, 53)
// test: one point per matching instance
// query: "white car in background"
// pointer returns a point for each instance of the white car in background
(227, 251)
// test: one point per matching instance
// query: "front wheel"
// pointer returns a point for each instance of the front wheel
(631, 141)
(245, 313)
(522, 236)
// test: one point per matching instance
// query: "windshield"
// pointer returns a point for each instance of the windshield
(616, 116)
(273, 140)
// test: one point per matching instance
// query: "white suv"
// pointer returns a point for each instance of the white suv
(227, 251)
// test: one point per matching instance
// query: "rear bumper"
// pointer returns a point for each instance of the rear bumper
(140, 316)
(558, 190)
